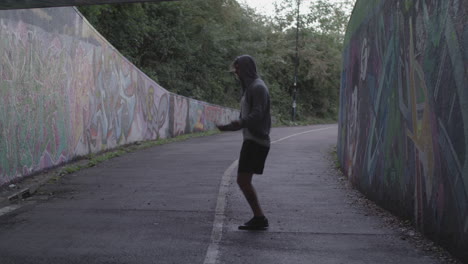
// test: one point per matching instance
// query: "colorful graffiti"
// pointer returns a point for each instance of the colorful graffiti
(403, 137)
(65, 92)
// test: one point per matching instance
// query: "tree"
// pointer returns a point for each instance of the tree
(186, 46)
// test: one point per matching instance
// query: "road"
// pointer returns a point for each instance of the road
(178, 203)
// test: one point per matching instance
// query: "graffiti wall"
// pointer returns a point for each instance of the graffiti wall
(66, 92)
(403, 138)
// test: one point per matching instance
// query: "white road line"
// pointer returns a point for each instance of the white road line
(8, 209)
(298, 134)
(213, 249)
(212, 252)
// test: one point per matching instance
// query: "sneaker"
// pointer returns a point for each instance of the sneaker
(256, 223)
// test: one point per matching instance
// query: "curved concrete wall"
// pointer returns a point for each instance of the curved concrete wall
(403, 138)
(66, 92)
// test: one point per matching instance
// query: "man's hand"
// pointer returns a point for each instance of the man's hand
(236, 125)
(233, 126)
(222, 127)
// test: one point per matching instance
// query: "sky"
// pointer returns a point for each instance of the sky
(266, 6)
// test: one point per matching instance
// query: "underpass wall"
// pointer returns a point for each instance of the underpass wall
(66, 92)
(403, 121)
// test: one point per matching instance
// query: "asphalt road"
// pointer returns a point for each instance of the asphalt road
(178, 203)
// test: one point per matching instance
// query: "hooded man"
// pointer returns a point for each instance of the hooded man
(255, 122)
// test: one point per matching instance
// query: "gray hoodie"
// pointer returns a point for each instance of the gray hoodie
(255, 103)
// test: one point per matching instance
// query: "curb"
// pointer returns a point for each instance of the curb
(26, 189)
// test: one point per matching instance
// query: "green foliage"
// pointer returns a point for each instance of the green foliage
(186, 46)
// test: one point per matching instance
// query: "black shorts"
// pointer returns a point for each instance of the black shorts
(252, 157)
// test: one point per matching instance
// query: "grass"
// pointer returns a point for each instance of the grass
(334, 156)
(95, 159)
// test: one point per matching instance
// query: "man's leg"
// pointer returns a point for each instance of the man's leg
(244, 180)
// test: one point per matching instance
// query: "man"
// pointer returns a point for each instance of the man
(255, 122)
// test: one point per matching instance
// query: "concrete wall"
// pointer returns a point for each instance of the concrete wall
(403, 138)
(66, 92)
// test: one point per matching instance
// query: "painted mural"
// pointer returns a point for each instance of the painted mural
(66, 92)
(403, 138)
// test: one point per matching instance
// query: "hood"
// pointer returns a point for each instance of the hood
(247, 70)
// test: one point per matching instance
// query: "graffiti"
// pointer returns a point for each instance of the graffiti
(180, 115)
(197, 117)
(212, 115)
(364, 58)
(65, 92)
(404, 118)
(154, 110)
(353, 129)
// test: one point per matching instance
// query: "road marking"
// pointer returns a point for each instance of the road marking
(212, 252)
(213, 249)
(298, 134)
(8, 209)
